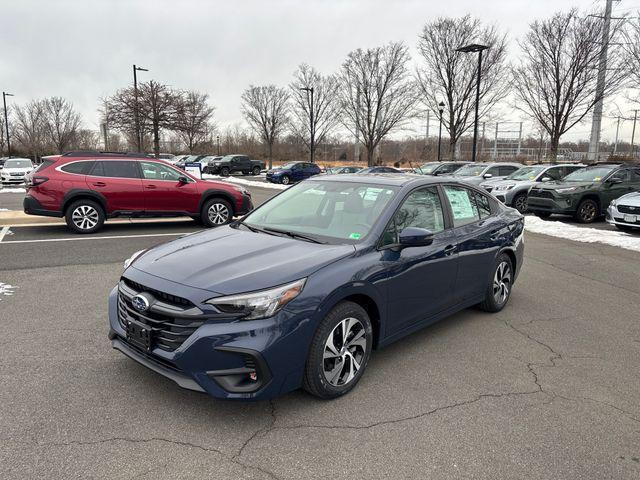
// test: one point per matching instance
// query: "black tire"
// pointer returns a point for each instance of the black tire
(588, 211)
(520, 202)
(495, 297)
(285, 180)
(543, 215)
(216, 212)
(224, 171)
(256, 170)
(315, 379)
(84, 216)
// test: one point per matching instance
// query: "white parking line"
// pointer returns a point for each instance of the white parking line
(3, 232)
(72, 239)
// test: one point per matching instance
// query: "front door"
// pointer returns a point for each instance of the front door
(118, 181)
(163, 191)
(419, 280)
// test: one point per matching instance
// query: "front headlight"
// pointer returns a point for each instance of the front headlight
(564, 190)
(613, 202)
(131, 259)
(261, 304)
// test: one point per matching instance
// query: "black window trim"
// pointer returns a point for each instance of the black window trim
(60, 167)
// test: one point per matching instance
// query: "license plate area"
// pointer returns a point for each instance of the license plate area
(139, 335)
(630, 218)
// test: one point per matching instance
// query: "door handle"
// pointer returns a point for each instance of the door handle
(150, 187)
(450, 249)
(99, 184)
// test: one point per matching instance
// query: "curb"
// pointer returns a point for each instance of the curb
(17, 218)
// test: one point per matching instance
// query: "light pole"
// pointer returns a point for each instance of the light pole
(440, 110)
(312, 128)
(135, 106)
(6, 120)
(472, 48)
(218, 142)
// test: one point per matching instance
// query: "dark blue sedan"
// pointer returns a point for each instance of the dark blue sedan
(300, 291)
(293, 172)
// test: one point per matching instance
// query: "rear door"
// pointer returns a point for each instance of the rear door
(118, 181)
(478, 232)
(297, 172)
(164, 193)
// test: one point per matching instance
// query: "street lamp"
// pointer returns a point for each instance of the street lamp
(440, 110)
(218, 142)
(6, 120)
(311, 125)
(473, 48)
(135, 107)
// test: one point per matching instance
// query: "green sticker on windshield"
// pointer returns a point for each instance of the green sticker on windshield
(355, 236)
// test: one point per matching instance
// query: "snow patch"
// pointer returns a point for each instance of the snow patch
(629, 241)
(4, 209)
(12, 190)
(6, 289)
(242, 181)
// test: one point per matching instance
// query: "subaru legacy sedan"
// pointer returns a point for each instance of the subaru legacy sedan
(301, 290)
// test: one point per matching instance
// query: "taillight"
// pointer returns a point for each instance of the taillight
(35, 181)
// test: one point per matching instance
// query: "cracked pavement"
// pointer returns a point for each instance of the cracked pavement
(547, 388)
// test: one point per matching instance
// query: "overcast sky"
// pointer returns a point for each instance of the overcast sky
(84, 49)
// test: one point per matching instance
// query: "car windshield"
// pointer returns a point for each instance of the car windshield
(328, 212)
(526, 173)
(589, 174)
(428, 167)
(15, 163)
(289, 165)
(470, 170)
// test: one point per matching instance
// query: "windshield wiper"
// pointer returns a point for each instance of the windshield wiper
(294, 235)
(257, 229)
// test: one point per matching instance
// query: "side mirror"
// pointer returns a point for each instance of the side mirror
(487, 175)
(546, 179)
(183, 180)
(415, 237)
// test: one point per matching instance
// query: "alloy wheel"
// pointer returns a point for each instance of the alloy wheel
(344, 352)
(85, 217)
(285, 180)
(588, 212)
(502, 283)
(520, 203)
(218, 214)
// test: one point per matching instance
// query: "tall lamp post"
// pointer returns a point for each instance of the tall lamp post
(440, 110)
(135, 107)
(6, 120)
(218, 142)
(312, 129)
(473, 48)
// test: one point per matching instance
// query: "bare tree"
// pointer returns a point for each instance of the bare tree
(631, 47)
(60, 122)
(156, 111)
(377, 93)
(193, 120)
(266, 108)
(450, 76)
(28, 127)
(309, 85)
(557, 75)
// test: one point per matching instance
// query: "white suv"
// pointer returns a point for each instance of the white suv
(14, 170)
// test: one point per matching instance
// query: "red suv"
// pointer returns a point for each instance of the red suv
(88, 187)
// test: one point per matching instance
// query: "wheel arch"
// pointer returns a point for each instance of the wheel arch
(216, 193)
(591, 196)
(82, 194)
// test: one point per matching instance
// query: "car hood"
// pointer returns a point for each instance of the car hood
(228, 261)
(503, 181)
(631, 199)
(555, 185)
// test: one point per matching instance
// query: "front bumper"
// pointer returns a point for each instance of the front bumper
(219, 356)
(11, 179)
(552, 204)
(245, 205)
(615, 217)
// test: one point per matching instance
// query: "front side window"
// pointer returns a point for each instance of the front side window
(421, 209)
(463, 205)
(116, 169)
(337, 212)
(555, 173)
(158, 171)
(507, 170)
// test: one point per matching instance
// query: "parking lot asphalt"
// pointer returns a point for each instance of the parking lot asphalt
(547, 388)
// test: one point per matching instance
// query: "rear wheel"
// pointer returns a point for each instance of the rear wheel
(499, 288)
(216, 212)
(588, 211)
(520, 202)
(84, 216)
(256, 170)
(286, 180)
(224, 171)
(339, 352)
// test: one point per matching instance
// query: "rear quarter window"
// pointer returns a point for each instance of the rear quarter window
(44, 165)
(79, 168)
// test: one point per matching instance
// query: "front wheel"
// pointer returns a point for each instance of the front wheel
(587, 211)
(216, 212)
(224, 171)
(499, 288)
(285, 180)
(84, 216)
(256, 170)
(520, 202)
(339, 352)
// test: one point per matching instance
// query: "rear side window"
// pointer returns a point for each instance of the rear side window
(482, 202)
(42, 166)
(80, 168)
(463, 205)
(116, 169)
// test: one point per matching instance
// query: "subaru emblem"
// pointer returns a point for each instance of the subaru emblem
(140, 303)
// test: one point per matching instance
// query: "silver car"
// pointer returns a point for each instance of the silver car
(477, 173)
(513, 190)
(624, 212)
